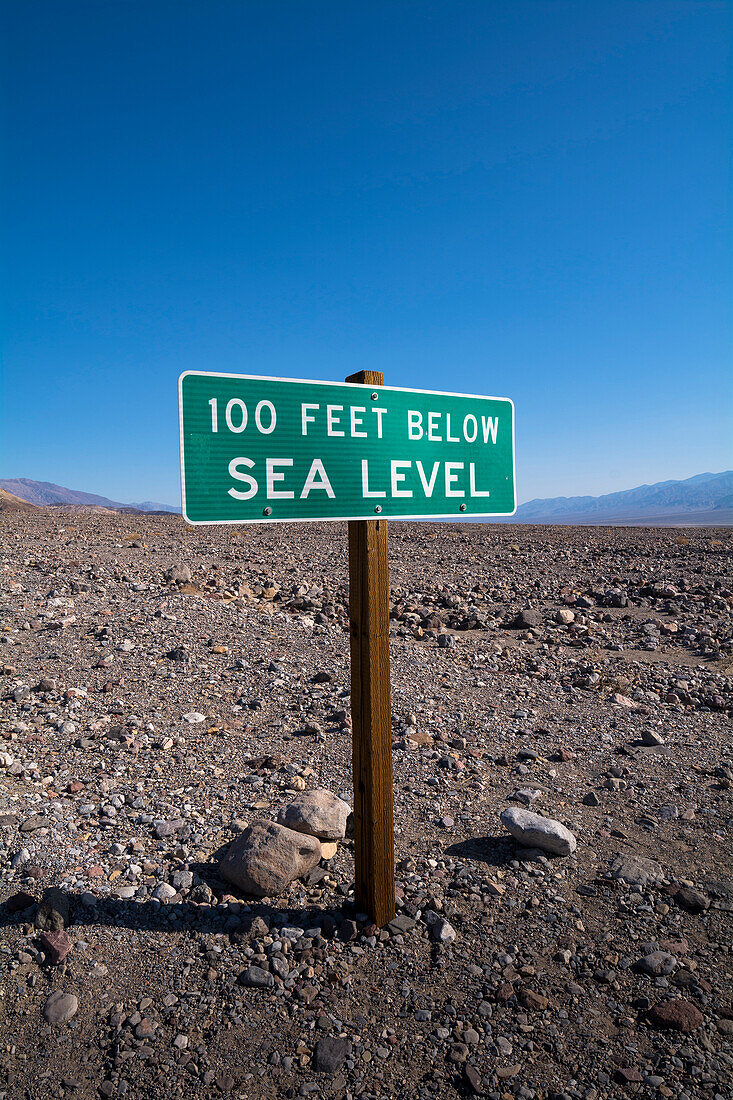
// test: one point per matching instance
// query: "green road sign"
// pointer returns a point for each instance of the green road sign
(259, 450)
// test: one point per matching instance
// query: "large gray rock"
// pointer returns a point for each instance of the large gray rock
(636, 870)
(534, 831)
(319, 813)
(526, 619)
(256, 977)
(657, 964)
(266, 857)
(59, 1008)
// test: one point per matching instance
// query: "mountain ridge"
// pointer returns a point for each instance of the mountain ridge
(701, 493)
(47, 494)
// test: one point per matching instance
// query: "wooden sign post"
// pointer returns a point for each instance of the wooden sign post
(371, 710)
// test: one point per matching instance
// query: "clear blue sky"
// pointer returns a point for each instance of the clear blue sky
(526, 199)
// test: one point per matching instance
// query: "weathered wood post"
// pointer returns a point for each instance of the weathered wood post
(371, 710)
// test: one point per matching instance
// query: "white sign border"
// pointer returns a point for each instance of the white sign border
(463, 516)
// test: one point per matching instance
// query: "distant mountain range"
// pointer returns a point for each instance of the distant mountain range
(700, 500)
(45, 494)
(706, 499)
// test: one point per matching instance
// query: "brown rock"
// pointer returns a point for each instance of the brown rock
(57, 946)
(627, 1075)
(677, 1015)
(473, 1079)
(266, 857)
(535, 1002)
(692, 900)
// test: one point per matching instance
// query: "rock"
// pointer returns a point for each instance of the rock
(473, 1079)
(164, 829)
(177, 574)
(59, 1008)
(650, 738)
(330, 1054)
(255, 977)
(623, 701)
(318, 813)
(328, 849)
(401, 924)
(266, 857)
(534, 831)
(656, 963)
(193, 717)
(31, 824)
(57, 946)
(527, 796)
(694, 901)
(164, 892)
(628, 1075)
(54, 912)
(636, 870)
(442, 931)
(526, 619)
(535, 1002)
(677, 1015)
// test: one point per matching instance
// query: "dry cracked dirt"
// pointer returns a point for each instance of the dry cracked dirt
(162, 687)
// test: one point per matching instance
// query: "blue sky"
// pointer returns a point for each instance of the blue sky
(526, 199)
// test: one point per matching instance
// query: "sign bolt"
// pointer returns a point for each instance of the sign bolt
(267, 511)
(462, 508)
(375, 397)
(377, 507)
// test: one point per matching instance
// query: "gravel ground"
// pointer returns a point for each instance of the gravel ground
(162, 687)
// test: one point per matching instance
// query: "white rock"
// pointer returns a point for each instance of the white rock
(442, 931)
(193, 717)
(535, 831)
(164, 892)
(318, 813)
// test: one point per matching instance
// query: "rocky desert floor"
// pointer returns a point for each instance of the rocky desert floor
(163, 687)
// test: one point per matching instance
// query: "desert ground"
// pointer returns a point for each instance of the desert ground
(164, 687)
